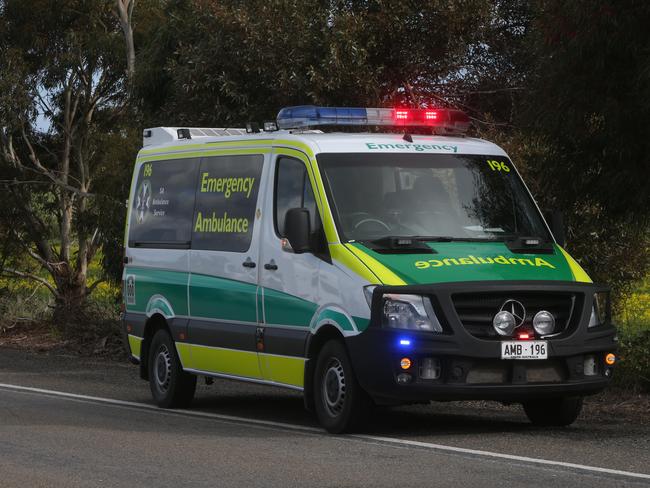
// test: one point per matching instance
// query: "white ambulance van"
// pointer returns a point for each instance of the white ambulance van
(358, 267)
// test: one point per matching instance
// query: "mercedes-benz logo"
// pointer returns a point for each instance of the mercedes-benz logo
(517, 310)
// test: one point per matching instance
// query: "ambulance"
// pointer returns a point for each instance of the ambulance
(362, 256)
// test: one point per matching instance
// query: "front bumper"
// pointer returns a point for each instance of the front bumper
(470, 367)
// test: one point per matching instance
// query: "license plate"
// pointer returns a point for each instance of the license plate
(524, 350)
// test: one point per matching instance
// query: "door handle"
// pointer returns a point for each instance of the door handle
(271, 266)
(248, 263)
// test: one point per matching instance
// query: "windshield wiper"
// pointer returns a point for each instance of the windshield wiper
(399, 244)
(433, 238)
(530, 245)
(453, 239)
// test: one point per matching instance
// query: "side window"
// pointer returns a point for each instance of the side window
(226, 199)
(162, 206)
(292, 190)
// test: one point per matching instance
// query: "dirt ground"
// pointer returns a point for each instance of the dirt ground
(43, 337)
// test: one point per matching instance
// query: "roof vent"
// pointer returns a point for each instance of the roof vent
(184, 134)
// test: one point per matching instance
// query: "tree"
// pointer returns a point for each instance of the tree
(63, 68)
(585, 129)
(225, 62)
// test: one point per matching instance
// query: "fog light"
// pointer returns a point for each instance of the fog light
(429, 368)
(544, 323)
(504, 323)
(405, 363)
(590, 366)
(403, 378)
(610, 359)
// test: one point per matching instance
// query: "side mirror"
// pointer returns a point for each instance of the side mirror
(557, 227)
(297, 228)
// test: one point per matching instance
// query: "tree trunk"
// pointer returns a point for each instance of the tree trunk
(125, 15)
(70, 300)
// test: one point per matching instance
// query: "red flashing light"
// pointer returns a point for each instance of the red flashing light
(430, 115)
(402, 114)
(420, 117)
(523, 336)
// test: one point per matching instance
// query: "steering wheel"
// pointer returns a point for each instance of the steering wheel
(368, 220)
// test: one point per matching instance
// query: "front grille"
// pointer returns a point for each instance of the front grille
(477, 310)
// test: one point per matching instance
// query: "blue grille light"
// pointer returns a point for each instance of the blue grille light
(405, 342)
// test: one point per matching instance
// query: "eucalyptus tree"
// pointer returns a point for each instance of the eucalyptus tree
(62, 112)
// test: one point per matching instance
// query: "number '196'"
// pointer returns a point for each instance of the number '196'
(498, 166)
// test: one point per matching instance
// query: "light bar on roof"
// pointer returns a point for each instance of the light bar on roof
(445, 120)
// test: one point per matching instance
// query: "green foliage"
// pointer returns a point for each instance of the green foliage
(590, 101)
(633, 369)
(635, 308)
(633, 320)
(584, 130)
(223, 63)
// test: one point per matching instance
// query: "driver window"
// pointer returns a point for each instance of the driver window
(293, 190)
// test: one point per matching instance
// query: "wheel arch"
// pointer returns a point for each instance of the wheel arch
(315, 343)
(153, 324)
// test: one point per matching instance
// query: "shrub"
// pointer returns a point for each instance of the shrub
(633, 370)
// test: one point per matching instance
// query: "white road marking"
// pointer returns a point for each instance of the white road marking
(302, 428)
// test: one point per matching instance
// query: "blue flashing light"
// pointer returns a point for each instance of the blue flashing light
(405, 342)
(310, 115)
(303, 116)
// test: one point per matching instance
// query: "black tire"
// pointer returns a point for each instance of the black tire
(171, 387)
(556, 412)
(339, 400)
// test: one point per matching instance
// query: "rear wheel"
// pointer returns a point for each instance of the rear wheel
(553, 411)
(339, 400)
(171, 387)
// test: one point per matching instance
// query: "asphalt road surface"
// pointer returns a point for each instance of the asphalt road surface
(66, 421)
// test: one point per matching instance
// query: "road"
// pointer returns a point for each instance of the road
(67, 421)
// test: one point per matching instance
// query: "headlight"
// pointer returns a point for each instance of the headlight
(544, 323)
(412, 312)
(504, 323)
(600, 309)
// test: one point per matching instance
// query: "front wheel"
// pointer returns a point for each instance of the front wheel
(171, 387)
(340, 401)
(557, 412)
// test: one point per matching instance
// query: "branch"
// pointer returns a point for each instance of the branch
(32, 154)
(9, 152)
(48, 109)
(125, 15)
(38, 279)
(90, 289)
(58, 183)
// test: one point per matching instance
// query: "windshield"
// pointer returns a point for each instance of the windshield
(455, 197)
